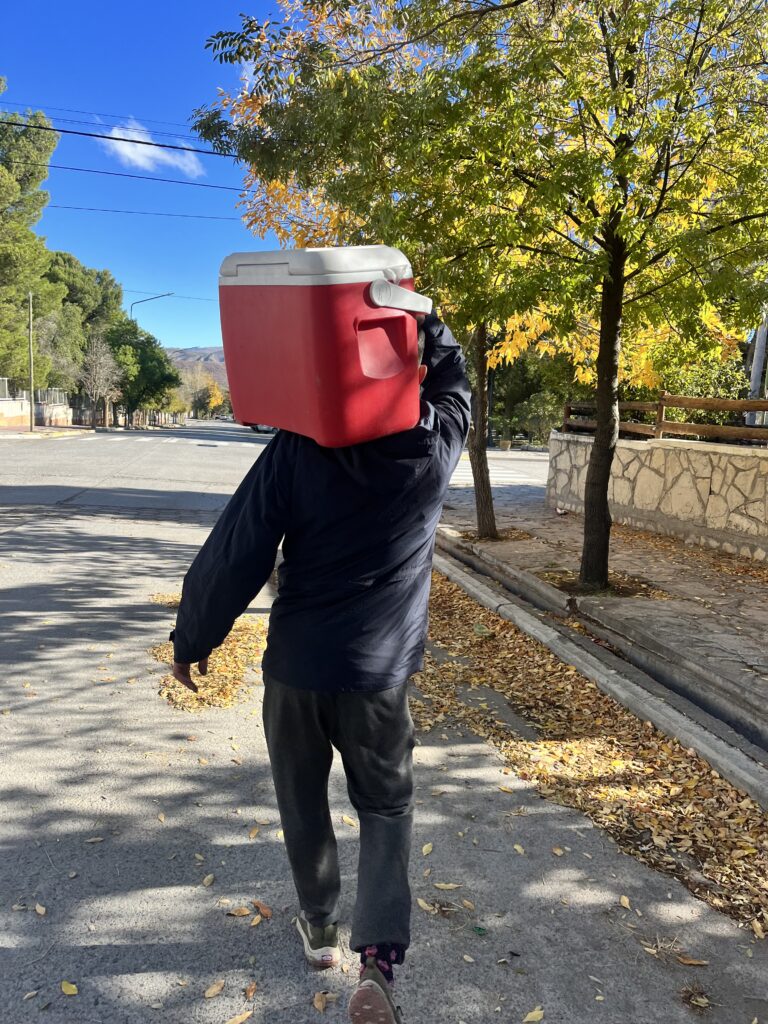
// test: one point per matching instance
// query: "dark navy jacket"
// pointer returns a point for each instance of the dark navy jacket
(358, 528)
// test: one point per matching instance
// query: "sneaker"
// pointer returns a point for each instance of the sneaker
(321, 945)
(372, 1002)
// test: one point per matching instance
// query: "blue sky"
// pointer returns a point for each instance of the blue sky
(145, 60)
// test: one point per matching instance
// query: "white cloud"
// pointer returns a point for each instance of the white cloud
(149, 158)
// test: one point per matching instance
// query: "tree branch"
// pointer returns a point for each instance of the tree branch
(715, 229)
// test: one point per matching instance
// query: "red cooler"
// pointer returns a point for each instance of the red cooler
(322, 341)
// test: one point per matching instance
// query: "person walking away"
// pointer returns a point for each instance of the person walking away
(346, 632)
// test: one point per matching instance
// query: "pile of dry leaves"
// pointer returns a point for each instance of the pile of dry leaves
(229, 668)
(660, 802)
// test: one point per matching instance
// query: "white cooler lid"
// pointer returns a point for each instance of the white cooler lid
(316, 266)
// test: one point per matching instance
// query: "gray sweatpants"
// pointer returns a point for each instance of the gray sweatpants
(374, 734)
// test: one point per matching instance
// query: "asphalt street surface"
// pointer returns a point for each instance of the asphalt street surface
(112, 815)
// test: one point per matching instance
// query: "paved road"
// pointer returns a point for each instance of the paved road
(191, 469)
(89, 529)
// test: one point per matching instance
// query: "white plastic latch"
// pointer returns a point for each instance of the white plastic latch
(384, 293)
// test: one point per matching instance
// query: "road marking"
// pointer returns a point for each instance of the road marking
(500, 476)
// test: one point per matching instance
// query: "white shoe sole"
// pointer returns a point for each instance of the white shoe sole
(322, 958)
(369, 1005)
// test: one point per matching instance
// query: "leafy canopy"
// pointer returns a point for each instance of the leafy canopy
(522, 157)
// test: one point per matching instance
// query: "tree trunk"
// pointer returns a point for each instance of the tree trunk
(478, 432)
(597, 516)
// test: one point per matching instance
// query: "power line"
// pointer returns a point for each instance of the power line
(139, 213)
(94, 113)
(126, 127)
(125, 174)
(113, 138)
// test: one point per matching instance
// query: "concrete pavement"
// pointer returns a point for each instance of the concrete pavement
(91, 529)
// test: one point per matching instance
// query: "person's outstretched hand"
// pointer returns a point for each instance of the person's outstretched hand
(182, 672)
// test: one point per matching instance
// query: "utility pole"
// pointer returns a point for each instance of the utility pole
(31, 373)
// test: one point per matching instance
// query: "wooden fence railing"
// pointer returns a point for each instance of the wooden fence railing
(662, 426)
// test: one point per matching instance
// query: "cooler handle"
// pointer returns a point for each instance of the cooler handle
(384, 293)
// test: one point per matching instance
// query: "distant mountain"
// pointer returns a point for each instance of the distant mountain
(209, 359)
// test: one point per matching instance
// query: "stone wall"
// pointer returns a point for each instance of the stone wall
(710, 494)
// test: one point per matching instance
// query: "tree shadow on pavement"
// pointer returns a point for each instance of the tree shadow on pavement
(116, 808)
(137, 929)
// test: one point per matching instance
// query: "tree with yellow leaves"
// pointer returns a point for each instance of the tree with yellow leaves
(591, 176)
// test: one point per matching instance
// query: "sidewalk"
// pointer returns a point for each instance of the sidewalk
(120, 807)
(694, 618)
(134, 829)
(41, 433)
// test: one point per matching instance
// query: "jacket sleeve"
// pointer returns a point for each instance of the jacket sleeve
(446, 387)
(238, 557)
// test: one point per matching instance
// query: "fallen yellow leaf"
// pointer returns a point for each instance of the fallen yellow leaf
(239, 912)
(624, 901)
(40, 909)
(533, 1016)
(469, 959)
(250, 990)
(214, 990)
(425, 906)
(68, 988)
(349, 821)
(468, 904)
(757, 928)
(257, 919)
(199, 858)
(161, 817)
(519, 849)
(254, 832)
(320, 1001)
(427, 849)
(558, 851)
(240, 1018)
(689, 961)
(506, 789)
(446, 886)
(208, 880)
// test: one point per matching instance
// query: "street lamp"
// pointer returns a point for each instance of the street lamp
(147, 300)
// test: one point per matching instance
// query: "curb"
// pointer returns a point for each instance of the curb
(37, 435)
(644, 701)
(715, 694)
(533, 590)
